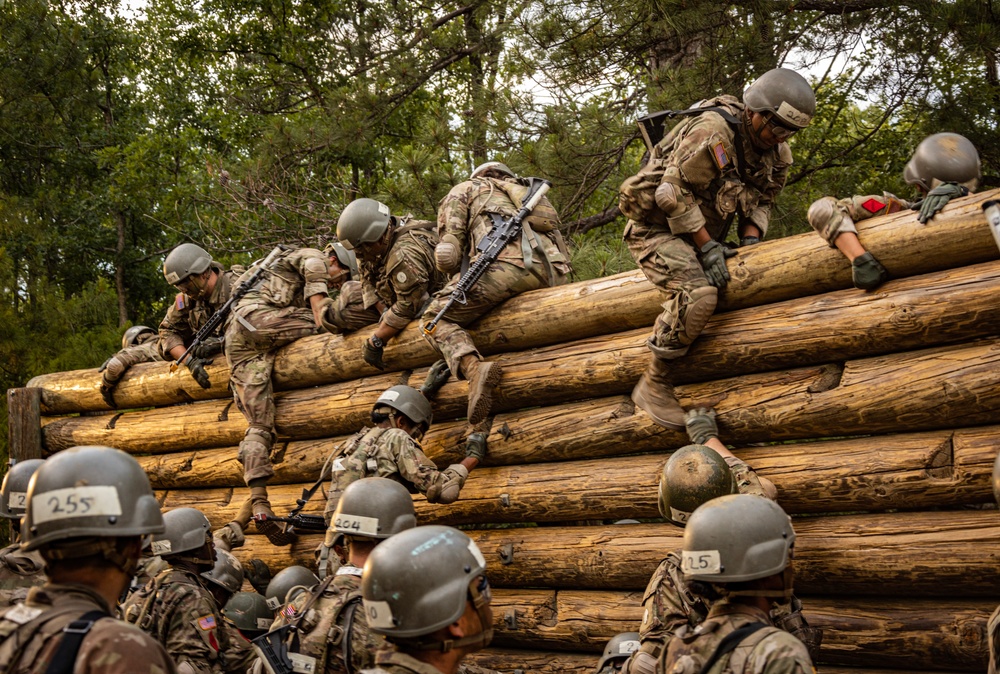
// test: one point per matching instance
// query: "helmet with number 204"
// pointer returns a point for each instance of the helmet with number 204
(89, 491)
(374, 507)
(736, 538)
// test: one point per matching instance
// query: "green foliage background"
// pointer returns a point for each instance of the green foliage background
(239, 123)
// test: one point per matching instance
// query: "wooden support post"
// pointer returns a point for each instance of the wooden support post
(24, 423)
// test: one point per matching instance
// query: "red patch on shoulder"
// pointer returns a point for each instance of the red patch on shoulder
(873, 205)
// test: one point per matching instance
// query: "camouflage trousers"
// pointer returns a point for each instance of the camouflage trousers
(501, 281)
(251, 358)
(348, 312)
(670, 263)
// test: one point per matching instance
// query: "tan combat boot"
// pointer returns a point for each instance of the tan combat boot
(483, 377)
(655, 391)
(279, 533)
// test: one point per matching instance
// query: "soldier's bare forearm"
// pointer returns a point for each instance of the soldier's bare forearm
(176, 352)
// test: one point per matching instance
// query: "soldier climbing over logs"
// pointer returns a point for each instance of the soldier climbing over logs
(943, 167)
(140, 344)
(727, 158)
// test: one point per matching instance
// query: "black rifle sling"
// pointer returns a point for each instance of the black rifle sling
(64, 660)
(345, 643)
(729, 644)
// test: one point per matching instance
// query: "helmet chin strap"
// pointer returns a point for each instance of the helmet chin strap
(478, 641)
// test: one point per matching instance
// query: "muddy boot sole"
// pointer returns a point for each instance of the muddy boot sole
(661, 408)
(482, 391)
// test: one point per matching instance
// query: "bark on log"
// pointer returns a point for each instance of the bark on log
(879, 632)
(928, 554)
(24, 424)
(910, 471)
(769, 272)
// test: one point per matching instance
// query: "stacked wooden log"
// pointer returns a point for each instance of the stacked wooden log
(877, 415)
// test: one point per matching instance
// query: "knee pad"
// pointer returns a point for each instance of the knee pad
(114, 370)
(700, 307)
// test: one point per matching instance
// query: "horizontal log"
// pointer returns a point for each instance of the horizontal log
(911, 471)
(933, 309)
(769, 272)
(865, 632)
(926, 554)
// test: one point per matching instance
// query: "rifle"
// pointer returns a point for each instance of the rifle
(274, 651)
(302, 522)
(220, 316)
(503, 232)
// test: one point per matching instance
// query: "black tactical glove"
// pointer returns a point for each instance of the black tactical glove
(259, 575)
(475, 446)
(868, 273)
(749, 241)
(373, 354)
(436, 378)
(108, 393)
(938, 198)
(789, 618)
(701, 425)
(713, 257)
(196, 366)
(208, 348)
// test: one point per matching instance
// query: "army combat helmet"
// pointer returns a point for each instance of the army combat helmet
(83, 497)
(737, 538)
(249, 612)
(348, 259)
(785, 94)
(491, 166)
(944, 158)
(372, 507)
(186, 529)
(287, 584)
(185, 260)
(419, 581)
(132, 335)
(407, 401)
(618, 649)
(694, 474)
(227, 572)
(14, 492)
(362, 221)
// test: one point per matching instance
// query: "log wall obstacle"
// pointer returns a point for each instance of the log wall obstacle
(876, 415)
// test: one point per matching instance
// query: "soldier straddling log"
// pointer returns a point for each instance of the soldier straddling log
(140, 344)
(725, 159)
(943, 167)
(469, 219)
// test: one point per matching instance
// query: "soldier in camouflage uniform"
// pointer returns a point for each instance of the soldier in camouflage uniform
(692, 476)
(88, 509)
(944, 166)
(392, 449)
(204, 287)
(536, 259)
(348, 311)
(617, 652)
(19, 571)
(426, 591)
(140, 344)
(396, 260)
(729, 159)
(331, 629)
(738, 551)
(223, 581)
(175, 607)
(290, 302)
(248, 613)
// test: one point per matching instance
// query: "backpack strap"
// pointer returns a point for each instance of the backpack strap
(64, 659)
(729, 644)
(652, 129)
(348, 609)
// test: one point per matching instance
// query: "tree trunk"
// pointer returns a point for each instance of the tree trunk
(775, 271)
(912, 554)
(919, 470)
(946, 387)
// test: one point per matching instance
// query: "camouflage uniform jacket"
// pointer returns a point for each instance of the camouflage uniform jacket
(19, 572)
(186, 316)
(464, 218)
(767, 651)
(332, 626)
(31, 632)
(406, 276)
(292, 279)
(177, 610)
(837, 216)
(391, 661)
(391, 453)
(668, 605)
(147, 350)
(240, 655)
(699, 157)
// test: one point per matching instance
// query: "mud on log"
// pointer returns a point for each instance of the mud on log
(768, 272)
